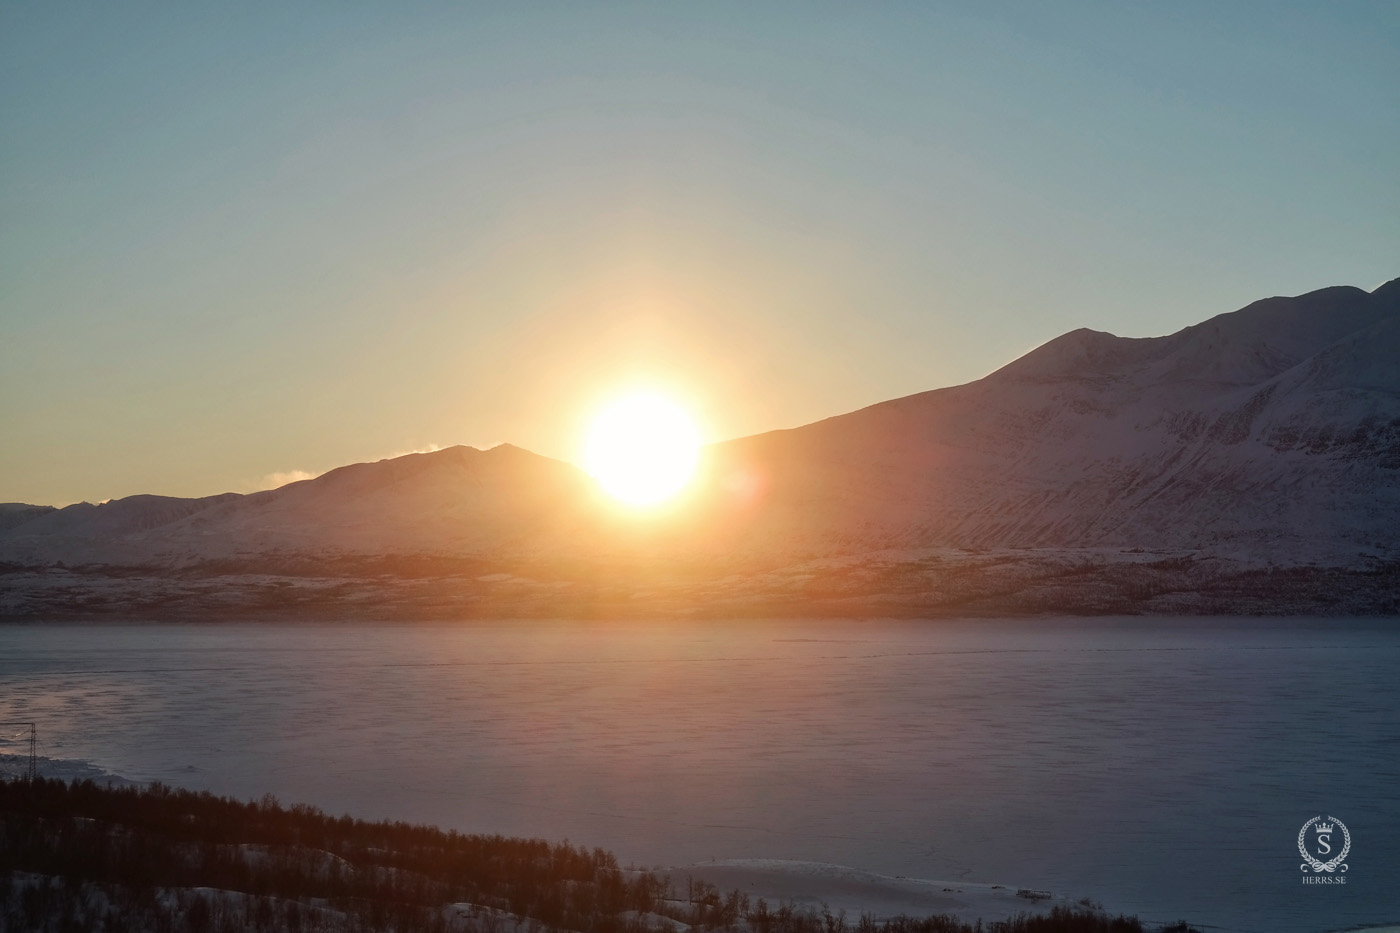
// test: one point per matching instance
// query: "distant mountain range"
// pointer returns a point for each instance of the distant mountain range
(1250, 463)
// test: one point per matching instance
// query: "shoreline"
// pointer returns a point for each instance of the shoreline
(806, 885)
(816, 888)
(819, 886)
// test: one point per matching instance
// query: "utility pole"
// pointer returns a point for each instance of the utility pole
(32, 772)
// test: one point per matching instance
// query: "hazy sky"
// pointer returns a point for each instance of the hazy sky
(245, 239)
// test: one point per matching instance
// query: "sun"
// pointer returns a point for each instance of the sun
(642, 448)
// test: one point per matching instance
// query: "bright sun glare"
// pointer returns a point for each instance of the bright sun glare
(642, 448)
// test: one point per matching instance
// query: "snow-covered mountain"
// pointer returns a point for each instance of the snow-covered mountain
(1268, 437)
(1270, 433)
(458, 501)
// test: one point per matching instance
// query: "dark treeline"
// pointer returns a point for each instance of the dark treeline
(79, 856)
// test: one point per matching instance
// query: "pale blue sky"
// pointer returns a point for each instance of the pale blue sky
(245, 239)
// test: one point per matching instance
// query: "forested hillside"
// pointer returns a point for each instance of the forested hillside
(79, 856)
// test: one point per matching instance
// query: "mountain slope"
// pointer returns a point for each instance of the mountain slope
(453, 501)
(1261, 439)
(1271, 433)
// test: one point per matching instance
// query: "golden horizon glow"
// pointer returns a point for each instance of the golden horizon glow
(642, 448)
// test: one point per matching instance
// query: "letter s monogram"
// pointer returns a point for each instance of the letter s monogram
(1322, 844)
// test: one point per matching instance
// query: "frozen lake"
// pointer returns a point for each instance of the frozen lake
(1163, 767)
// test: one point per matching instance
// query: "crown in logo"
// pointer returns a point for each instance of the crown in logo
(1324, 827)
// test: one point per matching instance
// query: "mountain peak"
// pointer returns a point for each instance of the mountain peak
(1243, 347)
(1080, 354)
(1389, 295)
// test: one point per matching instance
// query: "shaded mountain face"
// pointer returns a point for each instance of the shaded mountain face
(458, 501)
(13, 514)
(1270, 434)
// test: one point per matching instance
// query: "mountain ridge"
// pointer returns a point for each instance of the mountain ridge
(1267, 437)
